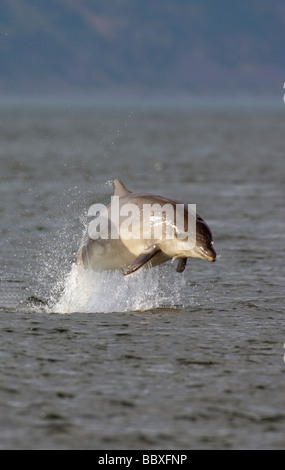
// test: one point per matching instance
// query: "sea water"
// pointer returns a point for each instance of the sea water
(157, 359)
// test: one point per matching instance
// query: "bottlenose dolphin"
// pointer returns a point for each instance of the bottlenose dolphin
(128, 245)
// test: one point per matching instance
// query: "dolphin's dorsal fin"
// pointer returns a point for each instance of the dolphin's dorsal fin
(120, 189)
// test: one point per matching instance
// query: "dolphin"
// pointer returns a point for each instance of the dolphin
(127, 246)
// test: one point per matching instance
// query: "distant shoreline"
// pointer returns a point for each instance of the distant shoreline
(113, 100)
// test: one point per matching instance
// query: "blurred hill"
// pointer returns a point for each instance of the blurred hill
(61, 46)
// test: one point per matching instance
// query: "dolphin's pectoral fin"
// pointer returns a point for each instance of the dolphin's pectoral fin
(181, 265)
(142, 259)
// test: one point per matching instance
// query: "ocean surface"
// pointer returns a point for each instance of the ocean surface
(155, 360)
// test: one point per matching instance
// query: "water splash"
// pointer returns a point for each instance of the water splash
(110, 291)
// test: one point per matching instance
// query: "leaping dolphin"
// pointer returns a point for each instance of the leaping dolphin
(131, 243)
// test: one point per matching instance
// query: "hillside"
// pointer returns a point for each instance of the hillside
(70, 45)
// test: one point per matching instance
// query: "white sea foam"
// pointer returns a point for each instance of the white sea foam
(110, 291)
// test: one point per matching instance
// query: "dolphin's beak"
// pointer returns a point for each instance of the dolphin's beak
(213, 256)
(209, 254)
